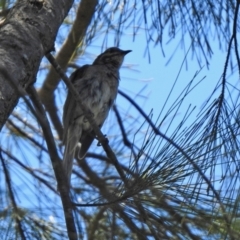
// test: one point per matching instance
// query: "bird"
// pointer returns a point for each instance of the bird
(97, 86)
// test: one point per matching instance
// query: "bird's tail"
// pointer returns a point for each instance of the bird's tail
(73, 134)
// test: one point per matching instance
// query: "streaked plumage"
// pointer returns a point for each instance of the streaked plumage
(97, 86)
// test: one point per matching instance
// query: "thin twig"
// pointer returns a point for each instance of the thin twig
(14, 204)
(174, 144)
(235, 30)
(25, 135)
(124, 135)
(30, 171)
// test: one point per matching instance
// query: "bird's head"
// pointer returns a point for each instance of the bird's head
(112, 56)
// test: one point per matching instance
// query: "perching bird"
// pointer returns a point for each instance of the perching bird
(97, 85)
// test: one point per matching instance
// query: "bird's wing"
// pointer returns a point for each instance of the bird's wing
(69, 108)
(72, 127)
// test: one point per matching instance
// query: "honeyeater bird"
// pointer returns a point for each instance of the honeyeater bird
(97, 86)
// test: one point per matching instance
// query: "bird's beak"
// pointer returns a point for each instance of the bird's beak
(126, 52)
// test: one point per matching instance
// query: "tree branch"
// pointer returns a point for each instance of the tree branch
(57, 166)
(40, 114)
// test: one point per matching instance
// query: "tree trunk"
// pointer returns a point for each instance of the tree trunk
(28, 33)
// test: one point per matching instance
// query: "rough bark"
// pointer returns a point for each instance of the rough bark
(28, 33)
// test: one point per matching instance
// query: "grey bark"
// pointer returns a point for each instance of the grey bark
(26, 35)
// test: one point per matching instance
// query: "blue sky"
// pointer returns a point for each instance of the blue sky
(157, 77)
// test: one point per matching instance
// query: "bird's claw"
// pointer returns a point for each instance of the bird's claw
(106, 140)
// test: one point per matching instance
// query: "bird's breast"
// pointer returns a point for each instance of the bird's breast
(100, 93)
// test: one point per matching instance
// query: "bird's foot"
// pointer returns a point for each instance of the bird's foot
(106, 140)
